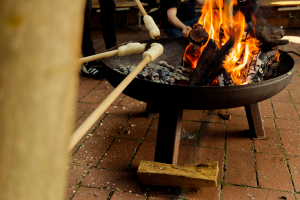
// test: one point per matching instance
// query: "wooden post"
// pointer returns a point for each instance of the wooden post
(40, 43)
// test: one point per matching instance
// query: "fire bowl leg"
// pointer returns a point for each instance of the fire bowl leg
(168, 135)
(255, 121)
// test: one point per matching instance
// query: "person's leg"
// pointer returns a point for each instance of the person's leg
(87, 43)
(173, 32)
(191, 22)
(108, 22)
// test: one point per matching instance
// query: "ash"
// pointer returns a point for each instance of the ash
(160, 72)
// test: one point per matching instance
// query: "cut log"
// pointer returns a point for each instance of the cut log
(161, 174)
(269, 36)
(207, 74)
(197, 37)
(208, 54)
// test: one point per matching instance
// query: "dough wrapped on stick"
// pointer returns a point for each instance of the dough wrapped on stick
(128, 49)
(152, 27)
(150, 55)
(155, 51)
(131, 48)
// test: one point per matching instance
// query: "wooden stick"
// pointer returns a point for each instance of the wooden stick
(79, 133)
(141, 7)
(98, 56)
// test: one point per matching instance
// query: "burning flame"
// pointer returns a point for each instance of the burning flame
(216, 19)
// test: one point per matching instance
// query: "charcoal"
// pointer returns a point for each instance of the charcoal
(165, 64)
(224, 79)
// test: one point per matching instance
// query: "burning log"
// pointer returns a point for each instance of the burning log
(208, 72)
(270, 37)
(198, 37)
(208, 54)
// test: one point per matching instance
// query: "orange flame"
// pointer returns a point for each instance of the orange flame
(215, 19)
(277, 56)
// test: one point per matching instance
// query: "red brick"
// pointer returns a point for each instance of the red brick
(118, 100)
(135, 128)
(76, 173)
(98, 93)
(111, 125)
(240, 168)
(116, 180)
(79, 114)
(293, 86)
(211, 118)
(295, 96)
(166, 192)
(128, 101)
(238, 120)
(85, 193)
(236, 111)
(119, 110)
(295, 171)
(211, 193)
(297, 196)
(82, 106)
(298, 108)
(119, 154)
(238, 192)
(118, 195)
(282, 97)
(191, 115)
(145, 152)
(152, 132)
(139, 111)
(272, 172)
(212, 135)
(296, 78)
(82, 79)
(287, 124)
(189, 132)
(238, 139)
(70, 190)
(271, 145)
(91, 151)
(86, 87)
(291, 141)
(191, 155)
(156, 198)
(266, 109)
(209, 111)
(268, 122)
(285, 110)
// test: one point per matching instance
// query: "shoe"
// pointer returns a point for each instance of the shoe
(92, 69)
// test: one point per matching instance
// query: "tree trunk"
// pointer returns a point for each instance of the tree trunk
(40, 44)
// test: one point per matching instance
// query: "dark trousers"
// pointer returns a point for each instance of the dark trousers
(108, 24)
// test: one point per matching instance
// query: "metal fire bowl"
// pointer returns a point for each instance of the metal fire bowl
(195, 97)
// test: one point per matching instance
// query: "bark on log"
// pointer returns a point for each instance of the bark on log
(39, 50)
(269, 36)
(208, 54)
(207, 74)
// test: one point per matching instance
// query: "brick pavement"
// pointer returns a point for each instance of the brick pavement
(103, 165)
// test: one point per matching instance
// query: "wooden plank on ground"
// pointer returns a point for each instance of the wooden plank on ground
(280, 3)
(161, 174)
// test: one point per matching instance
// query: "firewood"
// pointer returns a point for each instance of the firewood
(155, 173)
(269, 36)
(197, 37)
(207, 55)
(208, 72)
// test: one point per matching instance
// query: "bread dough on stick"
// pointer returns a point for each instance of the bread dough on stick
(131, 48)
(155, 51)
(151, 26)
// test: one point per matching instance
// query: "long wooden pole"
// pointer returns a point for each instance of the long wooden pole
(98, 56)
(39, 50)
(141, 7)
(86, 125)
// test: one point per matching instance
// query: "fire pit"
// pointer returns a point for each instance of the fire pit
(170, 100)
